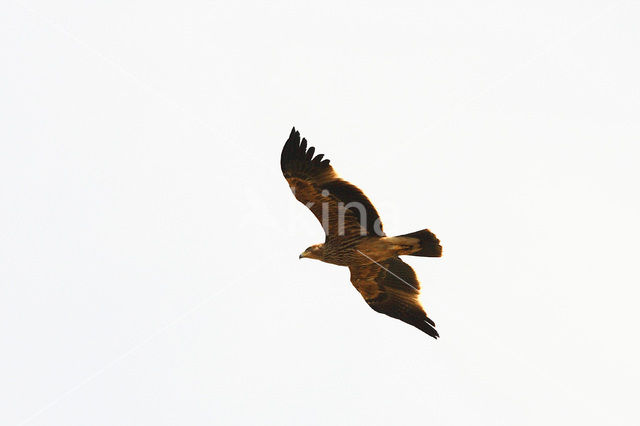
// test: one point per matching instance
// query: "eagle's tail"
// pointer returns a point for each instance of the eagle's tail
(425, 242)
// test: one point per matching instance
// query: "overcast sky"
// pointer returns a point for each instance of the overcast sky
(149, 270)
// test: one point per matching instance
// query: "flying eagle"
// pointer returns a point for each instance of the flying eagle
(354, 236)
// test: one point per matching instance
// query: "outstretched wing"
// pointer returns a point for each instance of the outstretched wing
(341, 207)
(391, 287)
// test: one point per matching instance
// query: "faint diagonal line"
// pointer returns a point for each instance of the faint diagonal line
(157, 93)
(163, 97)
(382, 266)
(497, 343)
(145, 85)
(181, 317)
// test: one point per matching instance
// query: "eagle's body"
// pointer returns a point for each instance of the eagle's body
(354, 236)
(351, 251)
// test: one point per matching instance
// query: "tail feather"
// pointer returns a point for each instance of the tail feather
(429, 243)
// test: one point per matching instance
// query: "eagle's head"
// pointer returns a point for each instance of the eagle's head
(314, 252)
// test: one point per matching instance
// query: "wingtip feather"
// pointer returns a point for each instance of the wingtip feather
(428, 327)
(297, 155)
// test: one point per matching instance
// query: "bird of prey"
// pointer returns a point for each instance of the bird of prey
(354, 236)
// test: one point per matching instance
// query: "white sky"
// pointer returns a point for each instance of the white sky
(149, 244)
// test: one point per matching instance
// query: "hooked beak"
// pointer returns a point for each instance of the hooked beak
(302, 255)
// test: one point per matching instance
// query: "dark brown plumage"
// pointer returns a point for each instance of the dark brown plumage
(354, 236)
